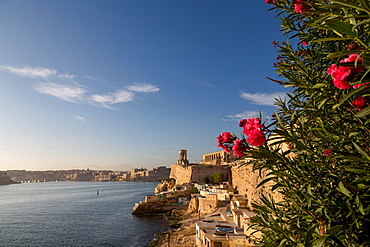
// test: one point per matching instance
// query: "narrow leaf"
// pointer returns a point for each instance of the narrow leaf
(362, 152)
(309, 235)
(341, 27)
(363, 112)
(343, 189)
(348, 4)
(365, 4)
(334, 229)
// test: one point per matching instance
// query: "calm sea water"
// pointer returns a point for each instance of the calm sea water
(72, 214)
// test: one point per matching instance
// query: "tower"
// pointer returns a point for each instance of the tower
(182, 160)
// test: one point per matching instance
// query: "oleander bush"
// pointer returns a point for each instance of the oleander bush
(317, 149)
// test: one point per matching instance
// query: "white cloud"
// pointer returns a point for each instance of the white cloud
(30, 71)
(246, 115)
(119, 96)
(82, 119)
(64, 87)
(143, 88)
(65, 92)
(263, 98)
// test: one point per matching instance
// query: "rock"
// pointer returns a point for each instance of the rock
(193, 205)
(165, 185)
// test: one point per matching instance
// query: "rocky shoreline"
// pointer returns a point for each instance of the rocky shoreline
(183, 232)
(5, 179)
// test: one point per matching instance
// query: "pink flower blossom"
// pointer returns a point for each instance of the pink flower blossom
(340, 74)
(224, 140)
(301, 6)
(359, 102)
(351, 59)
(252, 129)
(327, 152)
(250, 124)
(360, 85)
(256, 138)
(270, 1)
(239, 147)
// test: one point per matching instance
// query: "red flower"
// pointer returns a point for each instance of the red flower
(351, 59)
(300, 8)
(256, 138)
(252, 129)
(359, 103)
(270, 1)
(224, 140)
(360, 85)
(250, 124)
(304, 43)
(243, 122)
(239, 147)
(340, 74)
(327, 152)
(226, 137)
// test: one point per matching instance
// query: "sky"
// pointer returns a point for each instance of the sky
(115, 85)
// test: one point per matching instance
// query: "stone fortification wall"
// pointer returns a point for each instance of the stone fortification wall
(182, 174)
(195, 173)
(245, 182)
(201, 171)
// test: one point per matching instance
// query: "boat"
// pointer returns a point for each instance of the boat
(208, 221)
(220, 228)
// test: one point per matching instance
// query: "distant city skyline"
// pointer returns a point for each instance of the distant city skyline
(126, 84)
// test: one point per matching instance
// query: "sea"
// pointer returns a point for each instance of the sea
(76, 214)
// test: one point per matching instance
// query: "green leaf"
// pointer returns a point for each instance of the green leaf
(365, 4)
(309, 189)
(319, 85)
(343, 189)
(363, 112)
(334, 229)
(351, 158)
(309, 235)
(329, 39)
(265, 181)
(337, 241)
(342, 53)
(321, 241)
(362, 152)
(353, 134)
(366, 171)
(341, 27)
(346, 3)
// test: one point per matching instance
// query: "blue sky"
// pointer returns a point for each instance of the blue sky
(124, 84)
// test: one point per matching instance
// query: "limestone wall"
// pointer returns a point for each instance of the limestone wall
(245, 182)
(200, 171)
(195, 173)
(182, 174)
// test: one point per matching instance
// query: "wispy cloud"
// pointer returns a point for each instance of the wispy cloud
(63, 86)
(246, 115)
(263, 98)
(31, 72)
(119, 96)
(205, 84)
(82, 119)
(65, 92)
(143, 88)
